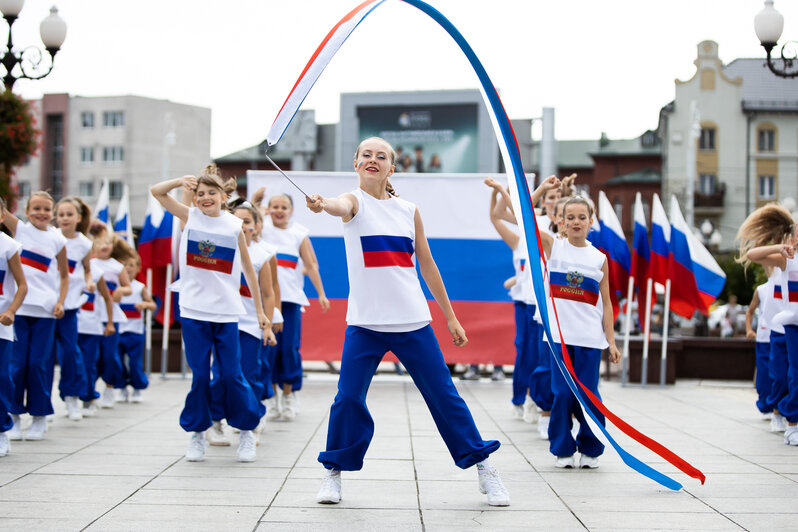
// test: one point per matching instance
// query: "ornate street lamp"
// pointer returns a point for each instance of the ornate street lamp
(30, 59)
(768, 25)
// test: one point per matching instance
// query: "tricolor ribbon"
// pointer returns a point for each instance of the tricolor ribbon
(521, 203)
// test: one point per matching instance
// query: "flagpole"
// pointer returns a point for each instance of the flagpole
(665, 321)
(148, 329)
(167, 307)
(647, 324)
(625, 358)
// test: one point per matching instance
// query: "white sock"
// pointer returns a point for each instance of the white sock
(484, 464)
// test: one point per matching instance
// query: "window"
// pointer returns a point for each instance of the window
(115, 189)
(86, 189)
(113, 154)
(87, 120)
(707, 139)
(707, 184)
(767, 187)
(24, 192)
(113, 118)
(86, 155)
(767, 140)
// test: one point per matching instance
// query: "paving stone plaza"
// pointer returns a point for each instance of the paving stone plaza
(125, 469)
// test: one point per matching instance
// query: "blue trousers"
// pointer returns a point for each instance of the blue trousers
(762, 382)
(287, 367)
(250, 347)
(110, 364)
(73, 371)
(6, 387)
(241, 408)
(586, 362)
(131, 345)
(540, 380)
(351, 427)
(267, 356)
(788, 406)
(526, 350)
(89, 345)
(31, 365)
(778, 369)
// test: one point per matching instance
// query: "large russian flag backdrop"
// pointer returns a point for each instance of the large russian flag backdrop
(521, 202)
(612, 243)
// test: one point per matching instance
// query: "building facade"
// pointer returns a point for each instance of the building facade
(129, 140)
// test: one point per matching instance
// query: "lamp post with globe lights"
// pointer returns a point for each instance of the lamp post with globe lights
(30, 60)
(768, 25)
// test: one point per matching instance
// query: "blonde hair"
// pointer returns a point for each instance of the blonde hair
(579, 200)
(766, 226)
(211, 177)
(39, 194)
(388, 186)
(83, 210)
(120, 250)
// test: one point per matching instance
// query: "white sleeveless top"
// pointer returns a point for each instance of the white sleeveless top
(8, 286)
(248, 321)
(76, 248)
(89, 319)
(135, 317)
(210, 267)
(574, 277)
(289, 266)
(38, 257)
(271, 250)
(110, 268)
(384, 291)
(765, 291)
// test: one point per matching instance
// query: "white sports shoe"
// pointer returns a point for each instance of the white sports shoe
(136, 397)
(588, 462)
(778, 423)
(498, 374)
(531, 413)
(196, 447)
(791, 435)
(89, 409)
(124, 395)
(107, 400)
(330, 492)
(37, 429)
(289, 406)
(491, 484)
(5, 445)
(216, 436)
(272, 408)
(246, 446)
(73, 408)
(15, 432)
(518, 411)
(564, 462)
(543, 427)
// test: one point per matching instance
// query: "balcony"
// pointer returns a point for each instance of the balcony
(710, 201)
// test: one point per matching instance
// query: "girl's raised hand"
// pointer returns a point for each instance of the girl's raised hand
(189, 183)
(788, 251)
(492, 183)
(458, 333)
(315, 203)
(550, 183)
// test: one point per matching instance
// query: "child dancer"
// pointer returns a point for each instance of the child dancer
(213, 253)
(384, 236)
(768, 237)
(761, 300)
(579, 286)
(110, 253)
(73, 217)
(131, 332)
(12, 292)
(44, 262)
(293, 249)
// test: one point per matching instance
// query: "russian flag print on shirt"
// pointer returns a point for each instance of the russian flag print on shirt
(2, 280)
(72, 264)
(386, 250)
(792, 287)
(130, 310)
(34, 260)
(523, 264)
(244, 290)
(89, 304)
(574, 286)
(210, 251)
(777, 291)
(286, 260)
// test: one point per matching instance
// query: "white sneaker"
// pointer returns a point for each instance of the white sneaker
(216, 436)
(89, 409)
(124, 395)
(543, 427)
(491, 484)
(272, 408)
(498, 374)
(470, 374)
(518, 411)
(767, 416)
(778, 423)
(107, 400)
(289, 409)
(246, 446)
(330, 492)
(531, 413)
(37, 429)
(196, 447)
(5, 445)
(73, 408)
(791, 435)
(588, 462)
(15, 432)
(136, 397)
(564, 462)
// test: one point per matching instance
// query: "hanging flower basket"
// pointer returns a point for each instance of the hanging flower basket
(19, 137)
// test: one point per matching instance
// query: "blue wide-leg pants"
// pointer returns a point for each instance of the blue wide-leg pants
(525, 351)
(32, 363)
(788, 406)
(778, 369)
(6, 386)
(73, 370)
(250, 347)
(110, 364)
(132, 345)
(540, 380)
(287, 367)
(762, 382)
(89, 345)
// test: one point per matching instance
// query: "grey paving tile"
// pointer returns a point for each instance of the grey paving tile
(260, 497)
(501, 519)
(758, 522)
(36, 524)
(136, 517)
(644, 520)
(71, 488)
(389, 494)
(326, 515)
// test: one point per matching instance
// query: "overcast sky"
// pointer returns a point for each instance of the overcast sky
(604, 65)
